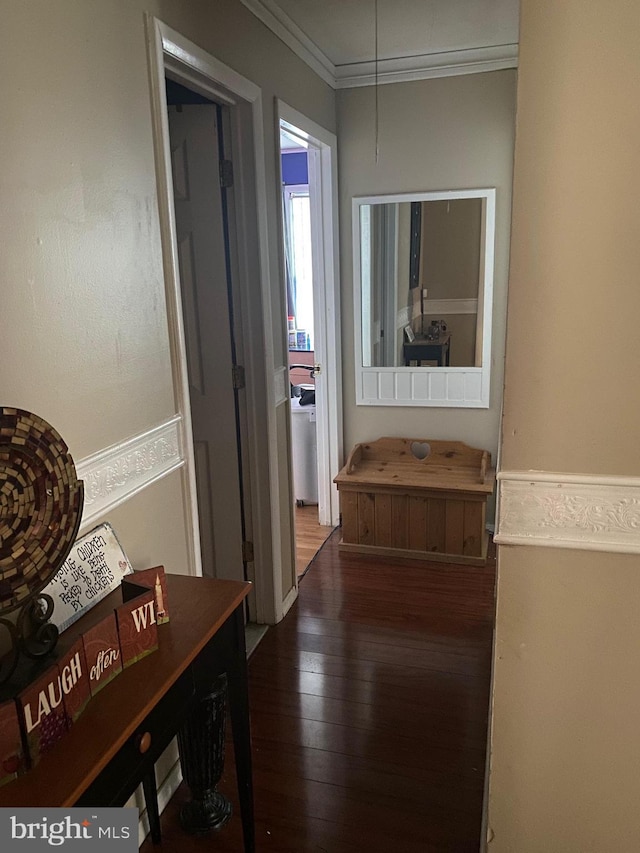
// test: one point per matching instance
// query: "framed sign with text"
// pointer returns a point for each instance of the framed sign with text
(95, 565)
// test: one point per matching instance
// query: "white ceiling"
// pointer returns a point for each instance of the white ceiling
(416, 38)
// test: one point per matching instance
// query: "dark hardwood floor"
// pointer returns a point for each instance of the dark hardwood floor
(369, 707)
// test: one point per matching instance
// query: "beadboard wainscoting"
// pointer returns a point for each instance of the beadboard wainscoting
(117, 473)
(569, 511)
(452, 386)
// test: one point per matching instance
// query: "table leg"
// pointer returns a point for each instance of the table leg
(201, 744)
(239, 709)
(151, 802)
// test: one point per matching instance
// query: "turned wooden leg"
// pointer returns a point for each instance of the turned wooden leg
(201, 744)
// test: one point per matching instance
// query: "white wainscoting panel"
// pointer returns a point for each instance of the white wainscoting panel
(569, 511)
(117, 473)
(422, 386)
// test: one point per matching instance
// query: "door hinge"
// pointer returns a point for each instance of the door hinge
(226, 174)
(237, 376)
(247, 552)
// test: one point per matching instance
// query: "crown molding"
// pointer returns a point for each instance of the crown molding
(405, 69)
(569, 511)
(400, 69)
(290, 33)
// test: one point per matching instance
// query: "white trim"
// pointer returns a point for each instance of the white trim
(444, 387)
(280, 385)
(290, 33)
(179, 51)
(119, 472)
(451, 306)
(290, 598)
(169, 49)
(399, 69)
(157, 33)
(569, 511)
(323, 183)
(404, 69)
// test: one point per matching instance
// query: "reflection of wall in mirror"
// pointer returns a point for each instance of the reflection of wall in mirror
(450, 270)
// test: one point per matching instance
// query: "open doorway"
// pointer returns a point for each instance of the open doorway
(201, 167)
(172, 55)
(313, 381)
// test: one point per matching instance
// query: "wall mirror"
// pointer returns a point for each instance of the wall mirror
(423, 284)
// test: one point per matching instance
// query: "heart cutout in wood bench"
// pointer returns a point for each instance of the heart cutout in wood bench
(420, 449)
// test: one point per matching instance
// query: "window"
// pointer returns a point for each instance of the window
(298, 257)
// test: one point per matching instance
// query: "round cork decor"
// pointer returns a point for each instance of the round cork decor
(40, 505)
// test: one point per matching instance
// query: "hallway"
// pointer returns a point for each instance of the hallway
(369, 713)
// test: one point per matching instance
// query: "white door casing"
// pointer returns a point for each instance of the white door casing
(322, 155)
(170, 52)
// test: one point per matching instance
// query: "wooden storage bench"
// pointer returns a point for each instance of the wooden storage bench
(416, 498)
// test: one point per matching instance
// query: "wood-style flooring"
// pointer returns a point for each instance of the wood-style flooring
(310, 536)
(369, 708)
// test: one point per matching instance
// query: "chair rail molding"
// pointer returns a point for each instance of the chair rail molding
(117, 473)
(585, 512)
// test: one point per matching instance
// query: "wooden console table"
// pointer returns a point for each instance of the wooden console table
(113, 746)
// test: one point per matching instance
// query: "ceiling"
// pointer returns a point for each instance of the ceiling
(416, 38)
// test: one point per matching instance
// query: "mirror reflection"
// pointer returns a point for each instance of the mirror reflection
(422, 269)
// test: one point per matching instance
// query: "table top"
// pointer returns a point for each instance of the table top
(198, 607)
(422, 342)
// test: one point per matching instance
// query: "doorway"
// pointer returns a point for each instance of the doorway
(268, 500)
(202, 178)
(171, 54)
(309, 218)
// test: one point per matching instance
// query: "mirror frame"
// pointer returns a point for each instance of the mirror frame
(453, 387)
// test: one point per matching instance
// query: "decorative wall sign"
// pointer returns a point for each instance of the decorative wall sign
(137, 627)
(74, 678)
(44, 713)
(154, 579)
(102, 650)
(12, 758)
(95, 566)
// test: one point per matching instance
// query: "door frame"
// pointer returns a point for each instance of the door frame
(170, 52)
(322, 152)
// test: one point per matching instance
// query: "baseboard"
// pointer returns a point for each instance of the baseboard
(253, 634)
